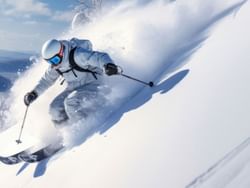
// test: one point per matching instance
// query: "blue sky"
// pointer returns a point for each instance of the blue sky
(26, 24)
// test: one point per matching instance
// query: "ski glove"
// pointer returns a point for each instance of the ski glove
(30, 97)
(111, 69)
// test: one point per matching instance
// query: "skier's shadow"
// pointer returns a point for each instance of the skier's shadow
(137, 101)
(144, 97)
(39, 170)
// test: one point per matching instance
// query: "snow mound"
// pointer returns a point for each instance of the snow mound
(230, 172)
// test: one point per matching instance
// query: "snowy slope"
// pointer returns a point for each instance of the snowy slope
(233, 169)
(171, 133)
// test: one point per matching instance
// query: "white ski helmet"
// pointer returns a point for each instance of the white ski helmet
(51, 48)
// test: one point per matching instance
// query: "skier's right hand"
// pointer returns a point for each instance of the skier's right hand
(111, 69)
(30, 97)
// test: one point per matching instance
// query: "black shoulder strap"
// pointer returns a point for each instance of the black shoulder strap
(75, 66)
(59, 72)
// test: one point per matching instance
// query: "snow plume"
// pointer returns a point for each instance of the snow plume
(148, 41)
(3, 112)
(158, 36)
(38, 121)
(152, 40)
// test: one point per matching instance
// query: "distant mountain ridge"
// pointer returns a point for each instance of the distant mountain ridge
(7, 54)
(11, 63)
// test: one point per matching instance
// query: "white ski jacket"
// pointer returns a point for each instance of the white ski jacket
(85, 57)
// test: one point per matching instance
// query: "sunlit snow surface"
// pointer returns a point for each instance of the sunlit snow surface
(174, 137)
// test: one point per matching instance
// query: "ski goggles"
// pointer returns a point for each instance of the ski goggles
(56, 59)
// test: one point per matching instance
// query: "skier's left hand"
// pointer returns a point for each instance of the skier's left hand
(111, 69)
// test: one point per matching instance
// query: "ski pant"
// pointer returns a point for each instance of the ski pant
(71, 106)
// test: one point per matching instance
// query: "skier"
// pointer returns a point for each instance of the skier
(82, 69)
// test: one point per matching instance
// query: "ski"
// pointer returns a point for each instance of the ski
(41, 154)
(10, 149)
(11, 160)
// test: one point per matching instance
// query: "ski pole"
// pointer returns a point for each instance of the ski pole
(120, 72)
(150, 84)
(18, 141)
